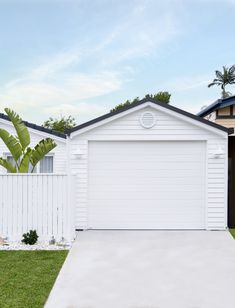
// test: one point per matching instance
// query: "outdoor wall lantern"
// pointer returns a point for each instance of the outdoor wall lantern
(78, 154)
(218, 153)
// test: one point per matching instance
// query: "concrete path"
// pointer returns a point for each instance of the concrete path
(147, 269)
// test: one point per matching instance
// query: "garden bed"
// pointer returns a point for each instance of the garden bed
(40, 245)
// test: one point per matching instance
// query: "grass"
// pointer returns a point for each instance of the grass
(26, 277)
(232, 231)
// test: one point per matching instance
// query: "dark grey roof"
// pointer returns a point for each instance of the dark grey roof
(164, 105)
(218, 104)
(37, 127)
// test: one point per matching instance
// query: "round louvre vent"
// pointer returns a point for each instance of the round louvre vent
(147, 119)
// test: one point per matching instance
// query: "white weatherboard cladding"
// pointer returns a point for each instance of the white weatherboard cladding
(170, 127)
(146, 185)
(59, 153)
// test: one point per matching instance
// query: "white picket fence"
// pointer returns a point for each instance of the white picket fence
(42, 202)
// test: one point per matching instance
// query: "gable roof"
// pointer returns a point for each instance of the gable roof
(218, 104)
(37, 127)
(145, 100)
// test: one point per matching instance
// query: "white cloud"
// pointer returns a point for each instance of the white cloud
(49, 68)
(139, 37)
(58, 84)
(185, 83)
(83, 110)
(64, 89)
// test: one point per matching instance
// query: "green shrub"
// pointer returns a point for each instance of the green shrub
(30, 238)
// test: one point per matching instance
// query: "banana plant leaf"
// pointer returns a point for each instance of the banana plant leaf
(41, 149)
(12, 144)
(20, 127)
(7, 165)
(25, 162)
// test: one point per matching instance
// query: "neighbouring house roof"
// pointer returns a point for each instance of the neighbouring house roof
(145, 100)
(37, 127)
(218, 104)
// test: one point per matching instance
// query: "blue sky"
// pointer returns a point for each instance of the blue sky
(84, 57)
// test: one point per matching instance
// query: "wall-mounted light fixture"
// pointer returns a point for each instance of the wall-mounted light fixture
(218, 153)
(78, 153)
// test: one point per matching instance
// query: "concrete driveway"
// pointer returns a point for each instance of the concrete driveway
(147, 269)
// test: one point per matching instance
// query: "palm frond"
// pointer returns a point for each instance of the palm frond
(20, 127)
(7, 165)
(25, 162)
(12, 144)
(41, 149)
(219, 75)
(217, 83)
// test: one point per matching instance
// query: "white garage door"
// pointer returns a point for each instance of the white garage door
(146, 185)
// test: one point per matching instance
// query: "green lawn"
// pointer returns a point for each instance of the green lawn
(232, 231)
(26, 277)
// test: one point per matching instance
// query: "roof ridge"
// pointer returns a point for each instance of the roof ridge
(145, 100)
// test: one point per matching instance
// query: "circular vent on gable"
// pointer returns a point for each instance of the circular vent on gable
(147, 119)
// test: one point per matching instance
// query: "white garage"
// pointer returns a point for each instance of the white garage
(149, 166)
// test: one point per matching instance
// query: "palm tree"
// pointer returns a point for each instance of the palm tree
(24, 157)
(223, 79)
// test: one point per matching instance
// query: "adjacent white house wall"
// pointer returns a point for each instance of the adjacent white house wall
(169, 126)
(43, 202)
(59, 152)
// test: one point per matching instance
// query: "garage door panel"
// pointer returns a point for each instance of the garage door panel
(104, 194)
(147, 185)
(151, 181)
(135, 148)
(143, 165)
(149, 159)
(142, 191)
(160, 173)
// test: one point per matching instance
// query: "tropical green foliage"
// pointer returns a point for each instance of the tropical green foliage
(162, 96)
(224, 78)
(7, 165)
(60, 125)
(21, 129)
(25, 158)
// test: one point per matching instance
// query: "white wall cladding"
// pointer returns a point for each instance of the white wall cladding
(39, 201)
(216, 185)
(169, 126)
(80, 167)
(59, 153)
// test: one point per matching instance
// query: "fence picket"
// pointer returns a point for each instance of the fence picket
(35, 201)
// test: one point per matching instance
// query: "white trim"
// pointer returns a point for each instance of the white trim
(148, 137)
(87, 186)
(68, 154)
(105, 121)
(157, 107)
(190, 120)
(226, 186)
(206, 186)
